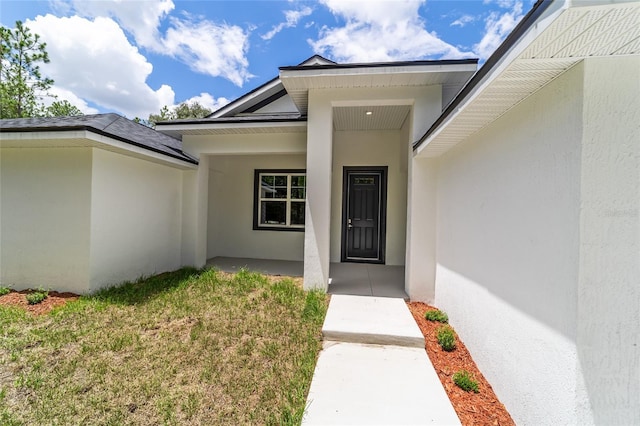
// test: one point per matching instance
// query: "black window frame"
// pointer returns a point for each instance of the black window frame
(256, 199)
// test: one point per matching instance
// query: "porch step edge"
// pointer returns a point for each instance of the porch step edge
(371, 320)
(373, 338)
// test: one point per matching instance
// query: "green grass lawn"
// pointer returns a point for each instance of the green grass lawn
(187, 347)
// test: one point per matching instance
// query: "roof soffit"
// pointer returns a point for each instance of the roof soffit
(298, 81)
(570, 35)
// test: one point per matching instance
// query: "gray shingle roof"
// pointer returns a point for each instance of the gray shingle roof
(111, 125)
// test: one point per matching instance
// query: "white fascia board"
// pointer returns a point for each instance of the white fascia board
(549, 16)
(249, 126)
(247, 98)
(93, 140)
(20, 136)
(385, 70)
(125, 148)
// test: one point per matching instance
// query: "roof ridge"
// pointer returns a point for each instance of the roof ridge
(316, 56)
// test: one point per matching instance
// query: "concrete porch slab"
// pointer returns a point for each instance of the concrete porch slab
(373, 320)
(264, 266)
(345, 278)
(360, 384)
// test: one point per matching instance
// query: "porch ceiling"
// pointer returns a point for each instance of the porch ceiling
(574, 34)
(388, 117)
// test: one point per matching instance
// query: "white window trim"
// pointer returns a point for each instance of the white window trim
(258, 199)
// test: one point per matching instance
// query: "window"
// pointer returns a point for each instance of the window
(279, 200)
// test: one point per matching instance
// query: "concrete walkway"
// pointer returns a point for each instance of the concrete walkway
(373, 368)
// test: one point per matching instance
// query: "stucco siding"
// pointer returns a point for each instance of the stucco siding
(135, 218)
(230, 220)
(508, 212)
(44, 218)
(373, 148)
(246, 144)
(609, 298)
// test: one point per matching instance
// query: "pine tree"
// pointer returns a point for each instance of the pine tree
(62, 109)
(21, 83)
(184, 110)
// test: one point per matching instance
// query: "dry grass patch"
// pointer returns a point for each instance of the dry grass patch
(196, 347)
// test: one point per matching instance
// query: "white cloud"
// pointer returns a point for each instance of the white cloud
(291, 20)
(208, 48)
(497, 27)
(462, 21)
(139, 18)
(381, 31)
(505, 4)
(208, 101)
(67, 95)
(95, 61)
(218, 50)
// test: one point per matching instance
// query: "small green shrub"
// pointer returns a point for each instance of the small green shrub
(4, 290)
(37, 297)
(437, 316)
(446, 338)
(465, 381)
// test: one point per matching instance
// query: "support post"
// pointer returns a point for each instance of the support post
(318, 202)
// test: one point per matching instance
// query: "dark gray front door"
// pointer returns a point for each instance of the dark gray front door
(363, 226)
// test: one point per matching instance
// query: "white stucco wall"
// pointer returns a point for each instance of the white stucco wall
(420, 267)
(609, 296)
(508, 236)
(420, 259)
(230, 217)
(373, 148)
(294, 142)
(45, 218)
(136, 223)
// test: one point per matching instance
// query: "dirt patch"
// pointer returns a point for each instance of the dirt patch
(481, 408)
(53, 300)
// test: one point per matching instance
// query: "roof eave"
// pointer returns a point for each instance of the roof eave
(254, 126)
(175, 124)
(523, 27)
(101, 137)
(557, 37)
(238, 104)
(299, 80)
(374, 65)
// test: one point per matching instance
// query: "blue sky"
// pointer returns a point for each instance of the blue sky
(133, 57)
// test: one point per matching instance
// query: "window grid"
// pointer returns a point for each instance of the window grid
(288, 200)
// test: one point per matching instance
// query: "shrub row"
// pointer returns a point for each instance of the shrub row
(447, 341)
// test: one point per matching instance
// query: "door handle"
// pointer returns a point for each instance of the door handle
(349, 225)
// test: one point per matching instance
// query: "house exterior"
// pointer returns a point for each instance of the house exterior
(510, 194)
(346, 130)
(89, 201)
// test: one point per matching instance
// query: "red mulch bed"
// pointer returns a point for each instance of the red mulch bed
(481, 408)
(54, 299)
